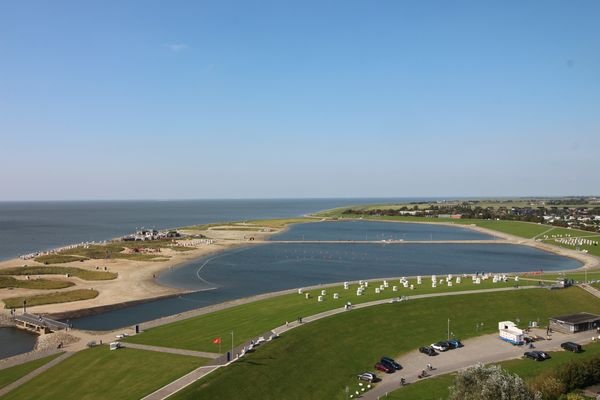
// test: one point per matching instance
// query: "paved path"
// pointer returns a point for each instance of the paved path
(26, 357)
(34, 373)
(590, 289)
(181, 383)
(482, 349)
(172, 350)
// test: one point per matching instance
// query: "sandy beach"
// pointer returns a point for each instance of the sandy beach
(136, 279)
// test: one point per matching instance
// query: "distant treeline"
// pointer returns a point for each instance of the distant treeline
(527, 214)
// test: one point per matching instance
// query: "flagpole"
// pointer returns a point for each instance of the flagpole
(232, 345)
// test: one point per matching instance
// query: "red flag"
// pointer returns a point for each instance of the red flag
(217, 340)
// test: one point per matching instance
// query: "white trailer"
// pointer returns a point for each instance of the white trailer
(509, 332)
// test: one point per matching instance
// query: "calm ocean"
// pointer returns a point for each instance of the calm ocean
(26, 227)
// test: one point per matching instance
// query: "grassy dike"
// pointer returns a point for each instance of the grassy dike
(252, 319)
(12, 374)
(318, 360)
(98, 373)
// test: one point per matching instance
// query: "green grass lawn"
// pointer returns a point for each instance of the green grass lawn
(252, 319)
(58, 259)
(50, 298)
(437, 388)
(12, 374)
(81, 273)
(10, 282)
(318, 360)
(98, 373)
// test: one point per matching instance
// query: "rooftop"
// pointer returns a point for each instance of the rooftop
(577, 318)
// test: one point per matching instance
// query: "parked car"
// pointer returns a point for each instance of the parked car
(455, 343)
(388, 369)
(367, 376)
(571, 346)
(534, 355)
(543, 354)
(440, 346)
(392, 362)
(428, 350)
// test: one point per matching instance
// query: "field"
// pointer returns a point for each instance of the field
(437, 388)
(113, 250)
(50, 298)
(9, 375)
(98, 373)
(327, 354)
(10, 282)
(53, 270)
(250, 320)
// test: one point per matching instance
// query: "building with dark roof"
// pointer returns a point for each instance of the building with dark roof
(574, 323)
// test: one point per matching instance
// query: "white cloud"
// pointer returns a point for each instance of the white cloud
(177, 47)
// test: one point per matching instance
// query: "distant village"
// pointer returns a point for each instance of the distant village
(578, 213)
(151, 234)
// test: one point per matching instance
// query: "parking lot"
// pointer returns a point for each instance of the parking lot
(485, 349)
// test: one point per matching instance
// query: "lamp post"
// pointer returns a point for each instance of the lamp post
(448, 328)
(232, 345)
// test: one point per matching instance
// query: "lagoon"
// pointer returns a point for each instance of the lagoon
(269, 267)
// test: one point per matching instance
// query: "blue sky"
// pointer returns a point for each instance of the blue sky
(238, 99)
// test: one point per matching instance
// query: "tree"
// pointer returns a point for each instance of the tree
(489, 383)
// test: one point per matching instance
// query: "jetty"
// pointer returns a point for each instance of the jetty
(38, 323)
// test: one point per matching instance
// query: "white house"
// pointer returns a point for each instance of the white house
(510, 333)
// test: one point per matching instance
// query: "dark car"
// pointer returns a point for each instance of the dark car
(543, 354)
(391, 362)
(428, 350)
(571, 346)
(534, 355)
(454, 343)
(388, 369)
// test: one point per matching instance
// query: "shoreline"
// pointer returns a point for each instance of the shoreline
(150, 289)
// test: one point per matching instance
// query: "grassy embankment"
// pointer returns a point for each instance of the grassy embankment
(51, 298)
(10, 282)
(88, 275)
(437, 388)
(114, 250)
(318, 360)
(12, 374)
(252, 319)
(98, 373)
